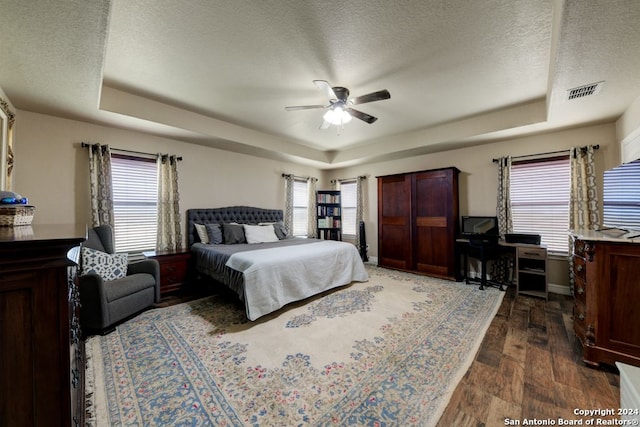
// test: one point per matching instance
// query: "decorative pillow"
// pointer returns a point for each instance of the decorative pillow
(215, 234)
(233, 233)
(107, 266)
(279, 228)
(202, 233)
(260, 233)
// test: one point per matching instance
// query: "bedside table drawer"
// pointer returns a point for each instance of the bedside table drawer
(174, 269)
(173, 272)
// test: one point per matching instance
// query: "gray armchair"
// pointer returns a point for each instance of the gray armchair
(104, 303)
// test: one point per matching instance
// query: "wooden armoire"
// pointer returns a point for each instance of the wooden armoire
(418, 221)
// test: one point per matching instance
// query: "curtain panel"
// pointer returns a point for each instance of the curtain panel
(288, 202)
(503, 208)
(312, 207)
(169, 235)
(101, 189)
(583, 199)
(359, 210)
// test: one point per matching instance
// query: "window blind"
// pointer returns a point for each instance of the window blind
(539, 193)
(349, 199)
(300, 207)
(621, 196)
(135, 200)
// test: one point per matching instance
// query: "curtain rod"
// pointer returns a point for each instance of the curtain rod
(348, 179)
(595, 147)
(284, 175)
(86, 145)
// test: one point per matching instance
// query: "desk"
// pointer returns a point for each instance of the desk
(530, 273)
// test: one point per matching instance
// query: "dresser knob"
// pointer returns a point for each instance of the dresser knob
(581, 291)
(579, 267)
(581, 316)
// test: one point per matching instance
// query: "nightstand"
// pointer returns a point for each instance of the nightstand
(174, 269)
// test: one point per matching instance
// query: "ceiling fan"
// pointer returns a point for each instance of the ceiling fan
(339, 110)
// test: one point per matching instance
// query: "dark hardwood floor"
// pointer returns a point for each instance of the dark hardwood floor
(529, 366)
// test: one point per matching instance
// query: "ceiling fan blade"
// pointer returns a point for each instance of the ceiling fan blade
(325, 125)
(362, 116)
(370, 97)
(324, 86)
(303, 107)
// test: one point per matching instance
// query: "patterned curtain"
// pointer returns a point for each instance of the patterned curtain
(100, 183)
(503, 208)
(583, 208)
(169, 235)
(288, 202)
(359, 209)
(583, 199)
(312, 224)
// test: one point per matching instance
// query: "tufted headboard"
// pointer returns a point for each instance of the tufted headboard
(239, 214)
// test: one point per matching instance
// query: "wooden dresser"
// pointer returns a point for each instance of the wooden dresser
(607, 298)
(41, 359)
(418, 221)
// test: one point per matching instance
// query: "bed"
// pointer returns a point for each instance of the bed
(270, 272)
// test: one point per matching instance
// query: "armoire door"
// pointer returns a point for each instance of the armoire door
(435, 214)
(394, 222)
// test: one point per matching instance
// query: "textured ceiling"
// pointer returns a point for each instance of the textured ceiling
(219, 73)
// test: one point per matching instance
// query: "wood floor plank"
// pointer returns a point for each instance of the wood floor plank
(535, 371)
(512, 380)
(501, 410)
(515, 345)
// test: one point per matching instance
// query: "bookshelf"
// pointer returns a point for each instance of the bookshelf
(329, 215)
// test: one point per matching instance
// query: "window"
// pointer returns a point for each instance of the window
(540, 200)
(621, 198)
(349, 200)
(300, 207)
(135, 200)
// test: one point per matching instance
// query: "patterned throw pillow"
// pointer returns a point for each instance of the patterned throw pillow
(107, 266)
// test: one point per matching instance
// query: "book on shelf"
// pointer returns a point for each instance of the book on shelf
(328, 211)
(328, 198)
(328, 222)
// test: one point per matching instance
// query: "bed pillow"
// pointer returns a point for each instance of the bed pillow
(107, 266)
(201, 229)
(279, 228)
(233, 234)
(215, 233)
(260, 233)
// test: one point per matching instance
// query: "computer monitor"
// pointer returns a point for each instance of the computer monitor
(487, 225)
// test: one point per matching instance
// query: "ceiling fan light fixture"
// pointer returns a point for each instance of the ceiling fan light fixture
(337, 116)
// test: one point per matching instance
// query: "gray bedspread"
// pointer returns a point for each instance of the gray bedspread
(267, 276)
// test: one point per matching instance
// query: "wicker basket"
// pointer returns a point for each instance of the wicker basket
(13, 215)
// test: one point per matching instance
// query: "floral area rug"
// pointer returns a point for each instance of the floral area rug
(389, 351)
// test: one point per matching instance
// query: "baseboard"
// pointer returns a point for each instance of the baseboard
(552, 288)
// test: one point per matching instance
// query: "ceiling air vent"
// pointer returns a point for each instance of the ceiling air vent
(586, 90)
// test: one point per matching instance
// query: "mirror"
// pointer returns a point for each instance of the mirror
(7, 121)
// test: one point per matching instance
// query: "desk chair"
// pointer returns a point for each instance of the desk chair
(484, 248)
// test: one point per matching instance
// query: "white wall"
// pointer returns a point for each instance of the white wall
(52, 169)
(478, 177)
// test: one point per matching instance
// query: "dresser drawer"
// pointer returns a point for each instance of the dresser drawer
(579, 315)
(579, 268)
(580, 290)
